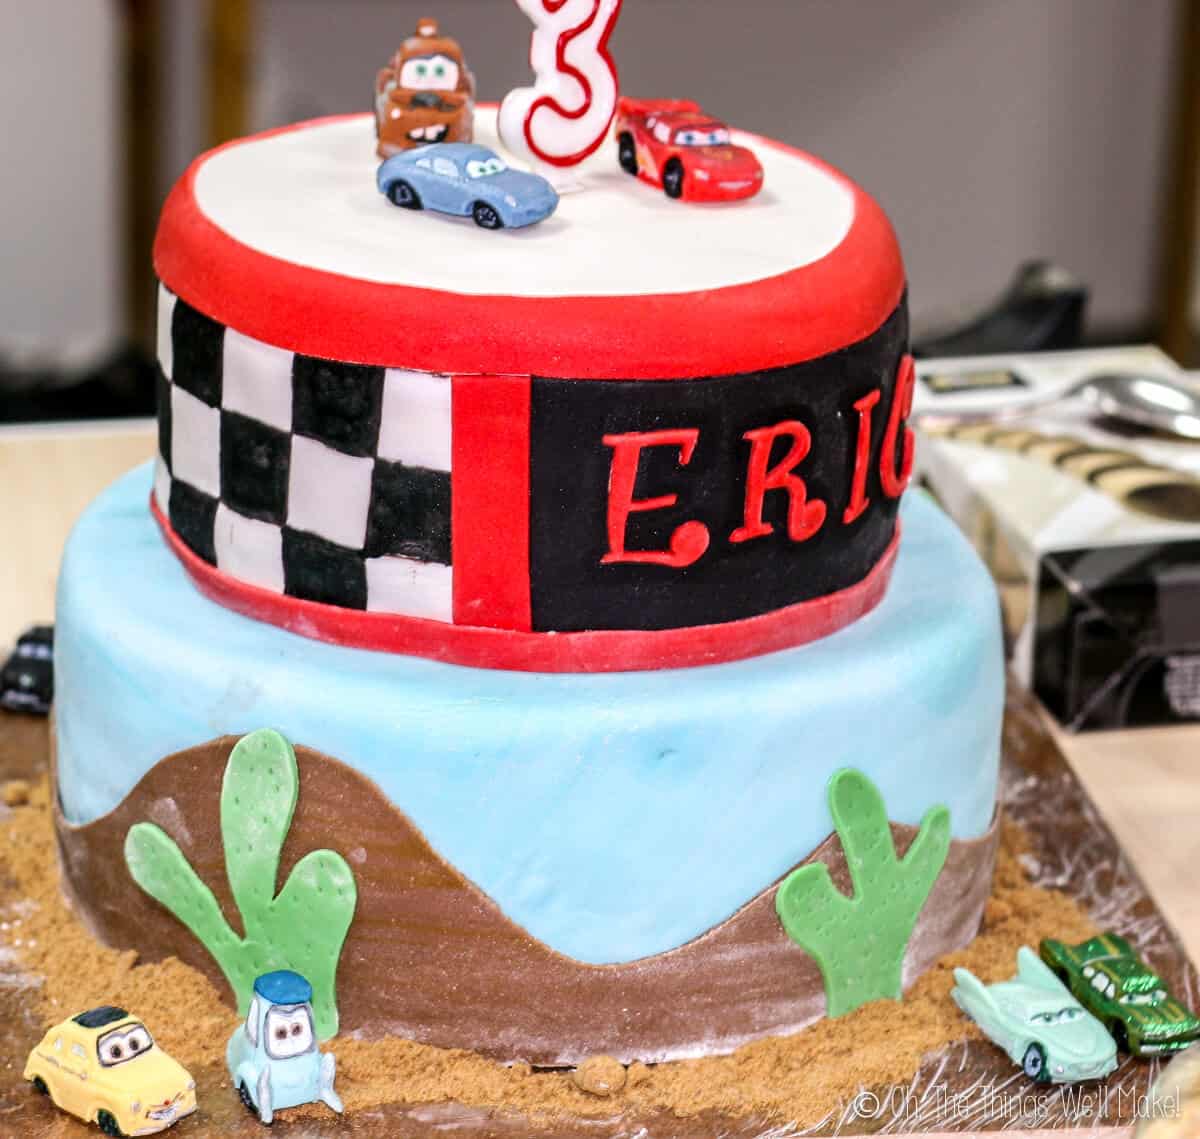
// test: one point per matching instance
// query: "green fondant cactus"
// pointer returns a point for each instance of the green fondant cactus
(859, 941)
(302, 927)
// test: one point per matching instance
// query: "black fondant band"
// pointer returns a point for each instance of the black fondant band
(573, 588)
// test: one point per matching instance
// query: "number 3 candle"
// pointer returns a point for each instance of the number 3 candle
(566, 114)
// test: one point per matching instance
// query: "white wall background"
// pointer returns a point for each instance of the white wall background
(60, 263)
(991, 130)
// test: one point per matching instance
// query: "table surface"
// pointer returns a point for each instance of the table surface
(1142, 781)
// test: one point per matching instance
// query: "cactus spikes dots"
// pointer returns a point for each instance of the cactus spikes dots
(859, 942)
(303, 927)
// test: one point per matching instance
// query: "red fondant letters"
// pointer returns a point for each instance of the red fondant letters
(690, 540)
(862, 457)
(892, 480)
(805, 516)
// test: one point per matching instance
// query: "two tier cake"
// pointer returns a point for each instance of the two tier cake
(575, 564)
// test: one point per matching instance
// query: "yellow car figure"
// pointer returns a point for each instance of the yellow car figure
(103, 1065)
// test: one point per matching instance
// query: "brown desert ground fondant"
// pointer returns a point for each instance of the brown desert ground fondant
(468, 977)
(968, 1086)
(800, 1078)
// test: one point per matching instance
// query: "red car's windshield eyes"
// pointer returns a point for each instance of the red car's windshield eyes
(709, 135)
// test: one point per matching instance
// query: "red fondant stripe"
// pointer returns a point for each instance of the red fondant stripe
(490, 501)
(600, 651)
(778, 321)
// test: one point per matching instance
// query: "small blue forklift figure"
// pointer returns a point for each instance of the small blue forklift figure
(273, 1057)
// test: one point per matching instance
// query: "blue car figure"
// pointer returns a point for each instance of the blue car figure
(273, 1057)
(466, 180)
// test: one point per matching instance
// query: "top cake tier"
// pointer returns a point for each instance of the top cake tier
(641, 434)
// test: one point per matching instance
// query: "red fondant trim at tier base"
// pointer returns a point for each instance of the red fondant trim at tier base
(781, 320)
(626, 650)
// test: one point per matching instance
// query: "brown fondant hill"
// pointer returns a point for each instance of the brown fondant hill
(432, 958)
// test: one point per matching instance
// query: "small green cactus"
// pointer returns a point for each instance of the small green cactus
(859, 941)
(302, 927)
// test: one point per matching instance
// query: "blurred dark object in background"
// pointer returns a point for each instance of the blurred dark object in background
(1042, 311)
(1117, 639)
(118, 388)
(27, 678)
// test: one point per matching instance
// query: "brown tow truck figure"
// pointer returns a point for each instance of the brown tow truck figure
(425, 94)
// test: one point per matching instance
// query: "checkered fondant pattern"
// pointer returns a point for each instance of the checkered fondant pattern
(320, 480)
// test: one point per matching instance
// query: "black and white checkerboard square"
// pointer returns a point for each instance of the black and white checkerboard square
(324, 481)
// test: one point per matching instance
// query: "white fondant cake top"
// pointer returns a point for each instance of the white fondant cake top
(308, 196)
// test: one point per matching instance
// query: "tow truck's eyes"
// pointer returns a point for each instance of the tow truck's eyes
(429, 73)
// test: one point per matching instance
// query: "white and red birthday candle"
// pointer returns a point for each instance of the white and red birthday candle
(566, 114)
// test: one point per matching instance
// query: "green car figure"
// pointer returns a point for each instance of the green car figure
(1124, 994)
(1034, 1018)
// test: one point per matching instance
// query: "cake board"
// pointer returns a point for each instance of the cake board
(966, 1088)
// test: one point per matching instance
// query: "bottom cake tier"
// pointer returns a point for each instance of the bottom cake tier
(543, 867)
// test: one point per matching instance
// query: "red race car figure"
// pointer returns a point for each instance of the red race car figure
(672, 143)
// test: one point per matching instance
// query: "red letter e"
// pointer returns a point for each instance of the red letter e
(690, 540)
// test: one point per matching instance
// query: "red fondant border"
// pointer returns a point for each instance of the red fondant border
(598, 651)
(787, 319)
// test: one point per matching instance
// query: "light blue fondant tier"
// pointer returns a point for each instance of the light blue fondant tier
(613, 816)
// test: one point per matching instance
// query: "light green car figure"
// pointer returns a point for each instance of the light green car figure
(1037, 1021)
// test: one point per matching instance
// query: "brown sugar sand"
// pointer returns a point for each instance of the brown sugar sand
(800, 1078)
